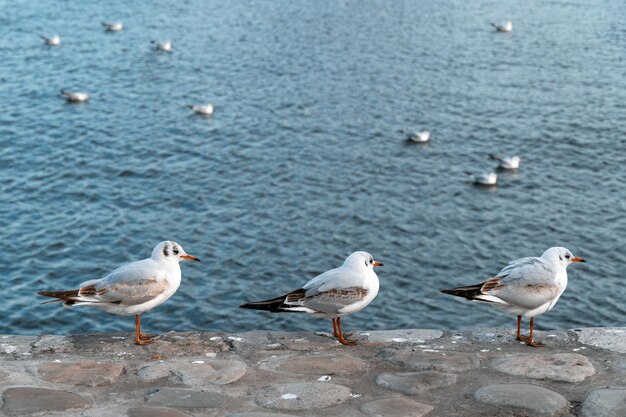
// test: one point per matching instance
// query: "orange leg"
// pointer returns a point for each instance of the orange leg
(340, 337)
(141, 339)
(335, 328)
(532, 342)
(519, 334)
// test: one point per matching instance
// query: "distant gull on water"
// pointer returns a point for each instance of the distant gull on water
(506, 162)
(163, 46)
(503, 27)
(75, 97)
(52, 41)
(113, 26)
(487, 178)
(420, 137)
(203, 109)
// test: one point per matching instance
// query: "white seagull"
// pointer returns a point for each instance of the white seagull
(503, 27)
(132, 288)
(507, 162)
(333, 294)
(488, 178)
(205, 110)
(52, 41)
(525, 287)
(420, 137)
(75, 97)
(163, 46)
(113, 26)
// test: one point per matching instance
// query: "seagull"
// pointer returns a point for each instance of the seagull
(333, 294)
(507, 162)
(489, 178)
(52, 41)
(113, 26)
(526, 287)
(205, 110)
(132, 288)
(163, 46)
(503, 27)
(75, 97)
(420, 137)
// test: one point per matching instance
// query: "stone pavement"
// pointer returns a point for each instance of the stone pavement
(401, 373)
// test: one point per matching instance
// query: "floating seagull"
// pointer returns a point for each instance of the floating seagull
(503, 27)
(113, 26)
(163, 46)
(205, 110)
(526, 287)
(75, 97)
(53, 41)
(507, 162)
(490, 178)
(333, 294)
(420, 137)
(132, 288)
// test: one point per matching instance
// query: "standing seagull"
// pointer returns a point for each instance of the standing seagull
(526, 287)
(503, 27)
(75, 97)
(163, 46)
(132, 288)
(507, 162)
(333, 294)
(52, 41)
(113, 27)
(205, 110)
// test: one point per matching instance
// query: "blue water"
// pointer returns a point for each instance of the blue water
(304, 160)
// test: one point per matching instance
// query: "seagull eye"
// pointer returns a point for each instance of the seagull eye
(567, 256)
(175, 251)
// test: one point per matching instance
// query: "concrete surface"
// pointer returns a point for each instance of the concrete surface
(404, 373)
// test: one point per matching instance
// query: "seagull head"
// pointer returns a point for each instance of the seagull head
(361, 260)
(561, 256)
(171, 251)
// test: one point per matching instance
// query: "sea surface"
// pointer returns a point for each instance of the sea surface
(305, 160)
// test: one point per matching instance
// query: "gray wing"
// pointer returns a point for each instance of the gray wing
(526, 282)
(333, 290)
(131, 284)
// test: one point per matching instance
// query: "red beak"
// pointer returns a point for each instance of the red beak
(190, 258)
(577, 259)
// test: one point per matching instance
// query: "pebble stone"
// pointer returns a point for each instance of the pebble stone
(414, 383)
(260, 414)
(409, 336)
(396, 407)
(323, 365)
(605, 403)
(90, 374)
(530, 397)
(433, 361)
(609, 338)
(565, 367)
(24, 400)
(185, 398)
(48, 343)
(155, 412)
(301, 396)
(211, 372)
